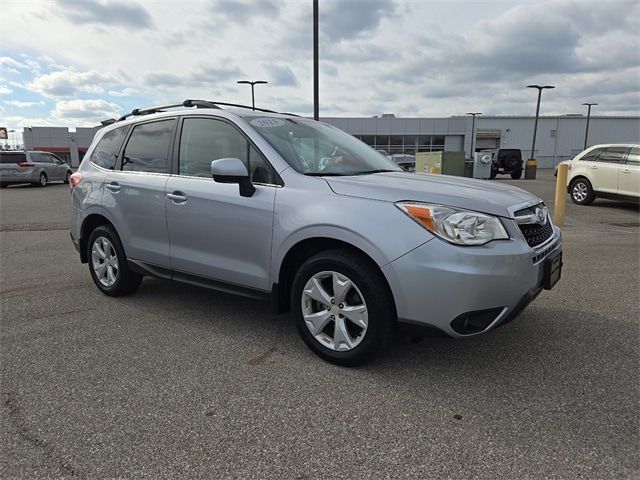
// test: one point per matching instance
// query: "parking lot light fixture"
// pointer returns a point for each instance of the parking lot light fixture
(586, 132)
(253, 84)
(473, 130)
(535, 125)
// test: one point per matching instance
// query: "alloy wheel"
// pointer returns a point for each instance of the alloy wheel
(334, 311)
(104, 261)
(580, 191)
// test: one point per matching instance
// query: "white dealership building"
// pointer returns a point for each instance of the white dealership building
(558, 137)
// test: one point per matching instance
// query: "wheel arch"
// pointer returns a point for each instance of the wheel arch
(295, 257)
(575, 179)
(89, 224)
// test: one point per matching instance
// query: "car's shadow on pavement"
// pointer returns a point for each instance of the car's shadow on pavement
(541, 342)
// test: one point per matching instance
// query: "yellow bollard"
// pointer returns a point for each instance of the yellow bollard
(561, 194)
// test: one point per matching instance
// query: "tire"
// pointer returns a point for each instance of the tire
(4, 185)
(66, 177)
(581, 192)
(42, 182)
(494, 172)
(368, 299)
(121, 281)
(516, 175)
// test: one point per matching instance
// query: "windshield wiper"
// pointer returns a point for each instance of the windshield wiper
(326, 174)
(379, 170)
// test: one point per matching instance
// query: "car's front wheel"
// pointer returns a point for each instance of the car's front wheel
(581, 192)
(42, 180)
(343, 309)
(108, 264)
(67, 176)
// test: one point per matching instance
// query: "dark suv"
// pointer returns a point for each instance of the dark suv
(506, 161)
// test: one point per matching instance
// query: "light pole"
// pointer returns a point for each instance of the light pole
(316, 94)
(535, 125)
(253, 97)
(586, 132)
(473, 131)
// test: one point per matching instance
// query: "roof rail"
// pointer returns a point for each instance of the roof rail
(188, 104)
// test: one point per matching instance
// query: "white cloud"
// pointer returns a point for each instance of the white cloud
(84, 112)
(11, 64)
(4, 90)
(21, 104)
(67, 83)
(125, 92)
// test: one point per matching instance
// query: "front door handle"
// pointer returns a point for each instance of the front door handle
(626, 170)
(594, 167)
(113, 186)
(177, 197)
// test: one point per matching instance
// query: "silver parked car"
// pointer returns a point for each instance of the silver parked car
(37, 168)
(274, 205)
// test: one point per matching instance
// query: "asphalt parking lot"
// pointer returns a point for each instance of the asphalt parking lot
(177, 381)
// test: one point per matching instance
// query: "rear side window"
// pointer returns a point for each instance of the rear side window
(13, 157)
(592, 155)
(40, 157)
(613, 155)
(634, 156)
(106, 152)
(148, 147)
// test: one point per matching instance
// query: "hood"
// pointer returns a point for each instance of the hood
(480, 195)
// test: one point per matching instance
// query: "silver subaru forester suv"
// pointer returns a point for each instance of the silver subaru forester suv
(273, 205)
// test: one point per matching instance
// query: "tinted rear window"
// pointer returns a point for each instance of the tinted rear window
(106, 152)
(148, 147)
(12, 157)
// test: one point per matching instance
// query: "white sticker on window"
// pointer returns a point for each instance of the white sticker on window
(267, 122)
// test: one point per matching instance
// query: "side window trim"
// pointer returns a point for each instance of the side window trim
(175, 164)
(118, 166)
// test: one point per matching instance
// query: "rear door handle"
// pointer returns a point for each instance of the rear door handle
(594, 167)
(177, 197)
(113, 186)
(626, 170)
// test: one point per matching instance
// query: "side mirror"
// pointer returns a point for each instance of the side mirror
(233, 170)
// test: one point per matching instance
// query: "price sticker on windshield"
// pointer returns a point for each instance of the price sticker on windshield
(266, 122)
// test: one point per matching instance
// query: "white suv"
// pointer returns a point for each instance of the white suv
(606, 171)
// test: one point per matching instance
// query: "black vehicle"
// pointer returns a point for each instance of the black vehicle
(506, 161)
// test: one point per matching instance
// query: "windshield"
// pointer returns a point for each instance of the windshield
(314, 148)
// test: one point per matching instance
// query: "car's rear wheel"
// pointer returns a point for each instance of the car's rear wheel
(343, 309)
(494, 172)
(581, 192)
(108, 264)
(42, 180)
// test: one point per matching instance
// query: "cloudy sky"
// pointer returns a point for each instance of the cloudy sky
(75, 62)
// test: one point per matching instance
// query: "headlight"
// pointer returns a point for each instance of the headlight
(461, 227)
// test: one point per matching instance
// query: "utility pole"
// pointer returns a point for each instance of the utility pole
(253, 83)
(316, 95)
(473, 131)
(586, 132)
(535, 125)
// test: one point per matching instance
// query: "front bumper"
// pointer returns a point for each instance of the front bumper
(451, 287)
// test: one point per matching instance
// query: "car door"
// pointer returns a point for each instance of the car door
(42, 163)
(59, 167)
(606, 169)
(629, 183)
(134, 192)
(213, 231)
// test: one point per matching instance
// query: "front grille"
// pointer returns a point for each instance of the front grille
(535, 233)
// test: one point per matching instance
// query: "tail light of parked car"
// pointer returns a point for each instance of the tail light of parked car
(26, 164)
(74, 180)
